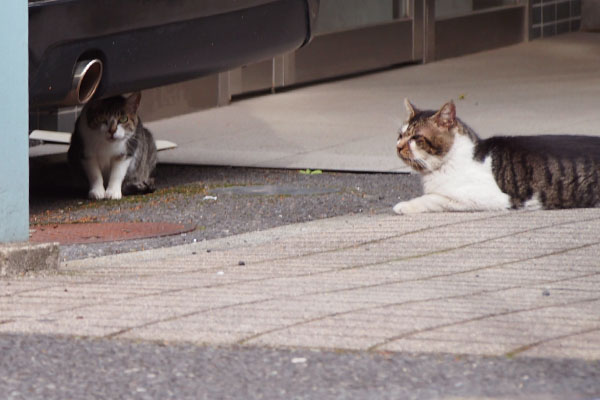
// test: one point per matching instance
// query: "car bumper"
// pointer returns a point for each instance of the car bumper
(144, 44)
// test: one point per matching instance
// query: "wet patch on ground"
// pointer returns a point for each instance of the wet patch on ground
(275, 190)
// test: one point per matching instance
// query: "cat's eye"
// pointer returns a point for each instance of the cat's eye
(123, 119)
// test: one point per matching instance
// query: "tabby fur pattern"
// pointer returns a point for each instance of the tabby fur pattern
(112, 149)
(461, 172)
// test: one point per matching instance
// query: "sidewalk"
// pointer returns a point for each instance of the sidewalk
(512, 283)
(547, 86)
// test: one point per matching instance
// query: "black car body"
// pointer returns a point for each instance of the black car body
(141, 44)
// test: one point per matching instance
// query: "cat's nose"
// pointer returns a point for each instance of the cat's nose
(112, 129)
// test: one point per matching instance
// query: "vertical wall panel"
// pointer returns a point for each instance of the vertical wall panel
(14, 120)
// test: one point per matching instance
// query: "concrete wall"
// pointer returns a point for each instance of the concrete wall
(14, 119)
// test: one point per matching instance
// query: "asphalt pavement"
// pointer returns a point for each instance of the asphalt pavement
(215, 201)
(49, 367)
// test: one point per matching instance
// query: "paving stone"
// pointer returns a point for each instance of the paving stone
(516, 283)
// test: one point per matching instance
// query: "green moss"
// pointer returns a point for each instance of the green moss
(161, 194)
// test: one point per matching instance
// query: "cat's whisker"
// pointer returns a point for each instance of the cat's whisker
(461, 172)
(422, 163)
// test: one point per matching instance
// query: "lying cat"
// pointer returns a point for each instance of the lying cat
(111, 145)
(461, 172)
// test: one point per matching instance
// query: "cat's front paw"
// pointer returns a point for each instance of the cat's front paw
(113, 194)
(96, 193)
(408, 207)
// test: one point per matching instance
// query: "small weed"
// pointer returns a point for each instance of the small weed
(311, 172)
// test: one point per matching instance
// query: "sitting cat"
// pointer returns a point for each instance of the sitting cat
(111, 145)
(461, 172)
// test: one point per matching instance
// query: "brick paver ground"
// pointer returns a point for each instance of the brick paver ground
(509, 283)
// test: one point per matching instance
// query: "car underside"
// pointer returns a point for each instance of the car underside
(84, 48)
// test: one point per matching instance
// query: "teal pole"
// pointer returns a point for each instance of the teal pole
(14, 120)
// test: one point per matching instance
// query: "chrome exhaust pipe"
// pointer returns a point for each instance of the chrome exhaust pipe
(86, 79)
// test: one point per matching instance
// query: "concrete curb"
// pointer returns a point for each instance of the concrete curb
(22, 257)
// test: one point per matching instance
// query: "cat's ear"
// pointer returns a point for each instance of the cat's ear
(90, 107)
(93, 105)
(446, 117)
(410, 109)
(133, 102)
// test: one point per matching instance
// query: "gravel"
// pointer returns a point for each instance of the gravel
(218, 201)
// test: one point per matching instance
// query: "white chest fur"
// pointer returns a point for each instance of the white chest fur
(459, 183)
(104, 161)
(101, 151)
(466, 181)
